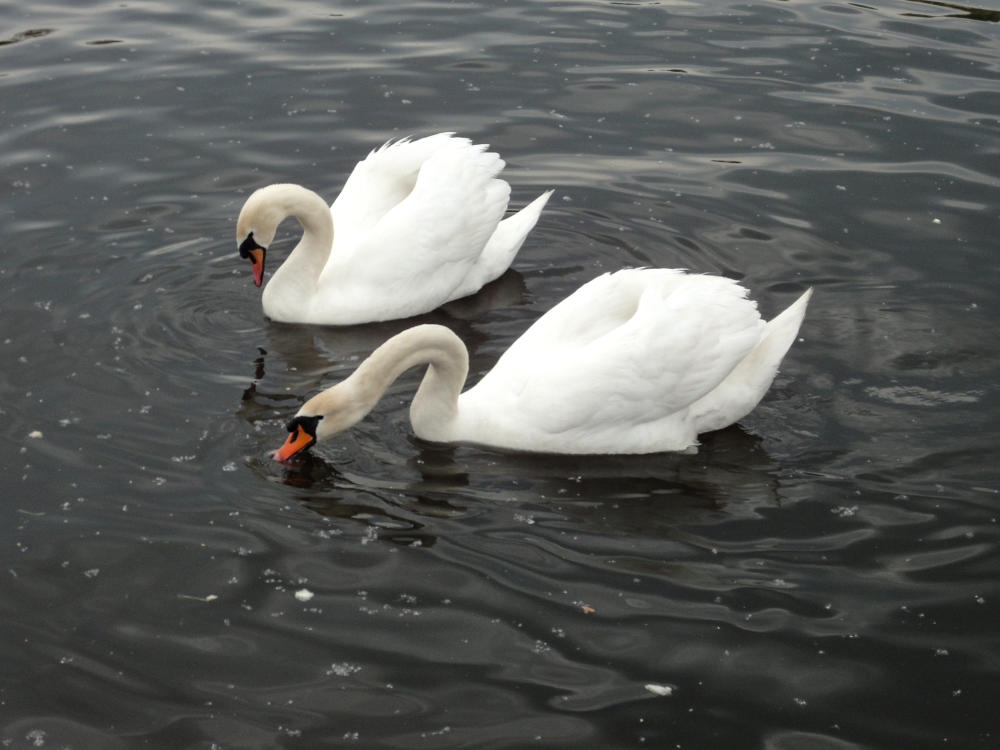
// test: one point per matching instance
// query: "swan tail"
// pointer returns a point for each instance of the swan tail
(508, 237)
(780, 331)
(745, 386)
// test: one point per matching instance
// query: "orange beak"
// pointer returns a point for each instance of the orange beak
(254, 252)
(298, 440)
(257, 262)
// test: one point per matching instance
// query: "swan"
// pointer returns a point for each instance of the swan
(418, 223)
(636, 361)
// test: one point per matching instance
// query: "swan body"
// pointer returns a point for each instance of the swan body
(637, 361)
(417, 224)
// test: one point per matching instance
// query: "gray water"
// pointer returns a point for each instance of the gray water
(822, 575)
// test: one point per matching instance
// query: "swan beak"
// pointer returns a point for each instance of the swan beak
(253, 252)
(257, 262)
(298, 440)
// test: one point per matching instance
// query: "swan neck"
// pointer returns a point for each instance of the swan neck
(313, 215)
(435, 404)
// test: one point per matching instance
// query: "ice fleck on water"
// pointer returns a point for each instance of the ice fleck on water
(342, 669)
(663, 690)
(231, 466)
(436, 733)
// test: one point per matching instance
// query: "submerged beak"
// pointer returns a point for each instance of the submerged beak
(301, 435)
(298, 440)
(255, 253)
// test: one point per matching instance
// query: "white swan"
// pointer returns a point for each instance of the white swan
(418, 224)
(638, 361)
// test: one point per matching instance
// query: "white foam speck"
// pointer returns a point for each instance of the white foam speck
(664, 691)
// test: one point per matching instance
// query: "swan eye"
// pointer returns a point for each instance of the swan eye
(249, 244)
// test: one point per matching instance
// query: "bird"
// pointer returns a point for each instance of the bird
(636, 361)
(418, 223)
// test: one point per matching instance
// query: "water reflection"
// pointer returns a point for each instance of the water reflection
(24, 35)
(308, 358)
(732, 476)
(823, 576)
(964, 11)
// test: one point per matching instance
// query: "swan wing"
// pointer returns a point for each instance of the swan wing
(417, 253)
(626, 350)
(382, 180)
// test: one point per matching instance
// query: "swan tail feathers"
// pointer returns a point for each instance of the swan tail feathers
(745, 386)
(780, 331)
(758, 369)
(508, 237)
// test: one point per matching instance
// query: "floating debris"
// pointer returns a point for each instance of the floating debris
(664, 691)
(209, 598)
(35, 434)
(342, 669)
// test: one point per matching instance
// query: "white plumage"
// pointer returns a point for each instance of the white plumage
(417, 224)
(638, 361)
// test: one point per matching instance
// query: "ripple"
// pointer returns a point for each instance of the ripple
(820, 574)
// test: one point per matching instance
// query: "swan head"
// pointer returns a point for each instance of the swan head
(302, 434)
(255, 229)
(324, 415)
(255, 253)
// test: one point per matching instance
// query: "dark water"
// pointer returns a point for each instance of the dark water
(823, 575)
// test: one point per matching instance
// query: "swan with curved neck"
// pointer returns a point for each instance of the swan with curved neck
(418, 224)
(638, 361)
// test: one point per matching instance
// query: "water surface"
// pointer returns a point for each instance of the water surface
(822, 575)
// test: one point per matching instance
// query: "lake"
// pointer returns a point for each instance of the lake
(824, 575)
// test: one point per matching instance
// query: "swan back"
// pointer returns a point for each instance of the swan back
(411, 227)
(615, 367)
